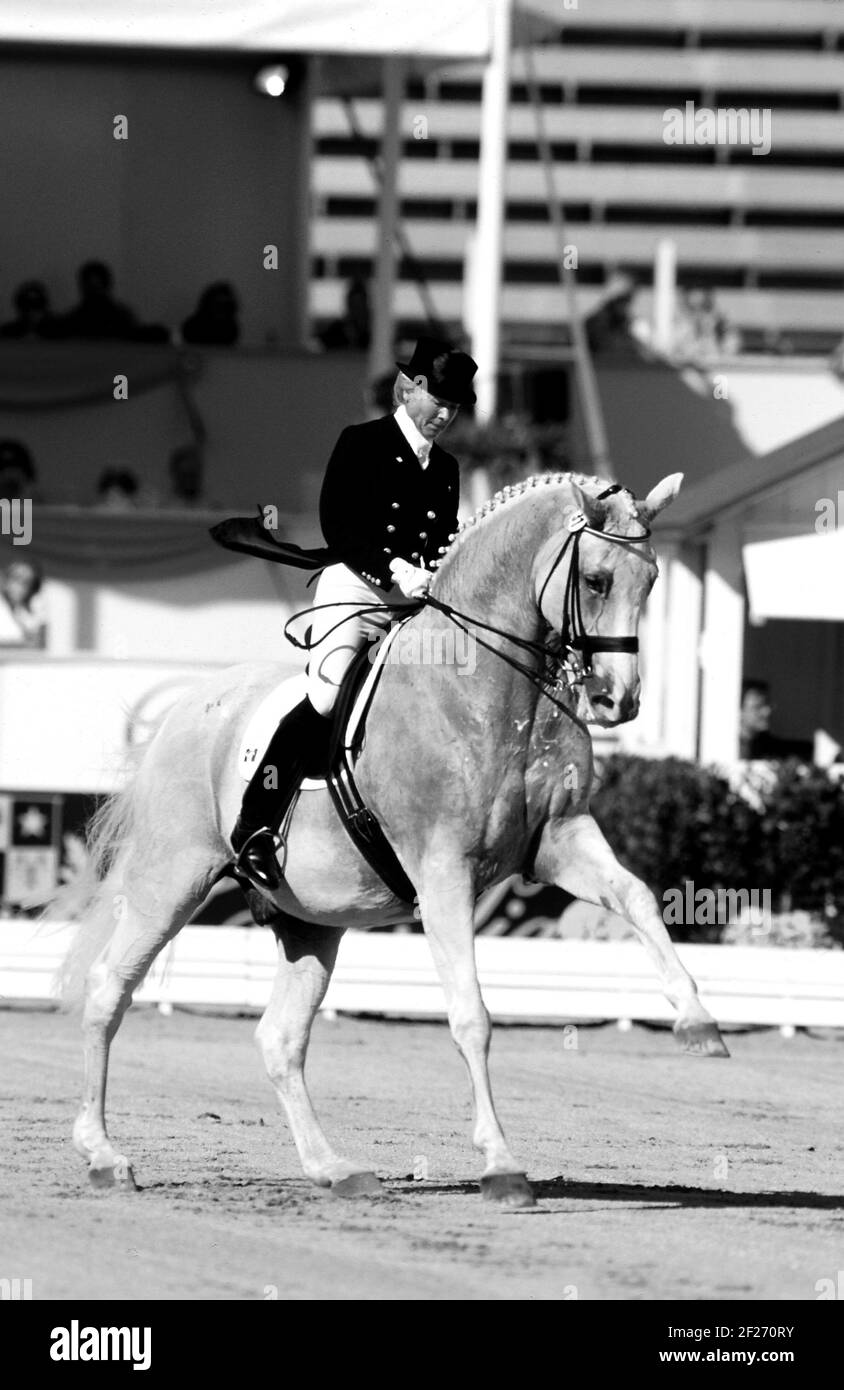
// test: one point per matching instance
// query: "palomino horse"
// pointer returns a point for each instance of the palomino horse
(472, 776)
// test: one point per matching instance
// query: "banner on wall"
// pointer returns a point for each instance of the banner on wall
(30, 847)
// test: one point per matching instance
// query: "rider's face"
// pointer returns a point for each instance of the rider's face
(429, 414)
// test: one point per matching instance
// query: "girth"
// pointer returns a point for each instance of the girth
(359, 822)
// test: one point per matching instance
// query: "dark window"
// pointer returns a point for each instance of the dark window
(797, 217)
(588, 95)
(425, 269)
(347, 145)
(799, 280)
(350, 207)
(527, 212)
(777, 101)
(710, 277)
(420, 149)
(654, 154)
(531, 273)
(460, 91)
(529, 150)
(550, 93)
(814, 159)
(349, 267)
(668, 215)
(623, 38)
(755, 38)
(427, 207)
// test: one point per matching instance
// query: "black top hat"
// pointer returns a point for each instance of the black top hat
(442, 371)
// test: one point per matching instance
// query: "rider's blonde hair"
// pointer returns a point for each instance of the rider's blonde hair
(401, 386)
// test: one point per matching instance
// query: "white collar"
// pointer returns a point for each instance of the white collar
(417, 441)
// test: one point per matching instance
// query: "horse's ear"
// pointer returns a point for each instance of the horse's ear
(660, 496)
(592, 509)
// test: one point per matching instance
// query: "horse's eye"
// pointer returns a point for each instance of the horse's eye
(598, 583)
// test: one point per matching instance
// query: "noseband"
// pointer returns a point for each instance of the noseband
(578, 645)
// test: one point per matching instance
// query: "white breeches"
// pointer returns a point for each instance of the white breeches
(332, 654)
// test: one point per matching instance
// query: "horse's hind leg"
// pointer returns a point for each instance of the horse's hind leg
(306, 959)
(146, 918)
(575, 855)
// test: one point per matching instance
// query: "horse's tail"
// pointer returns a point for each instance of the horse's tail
(88, 900)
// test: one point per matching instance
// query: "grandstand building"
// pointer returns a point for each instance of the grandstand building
(765, 232)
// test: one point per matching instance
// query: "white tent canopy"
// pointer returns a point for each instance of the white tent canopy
(439, 28)
(796, 577)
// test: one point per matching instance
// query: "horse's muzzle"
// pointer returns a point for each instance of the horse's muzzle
(611, 703)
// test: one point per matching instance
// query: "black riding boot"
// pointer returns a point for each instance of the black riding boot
(294, 749)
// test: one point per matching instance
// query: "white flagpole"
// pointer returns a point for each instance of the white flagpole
(484, 309)
(381, 348)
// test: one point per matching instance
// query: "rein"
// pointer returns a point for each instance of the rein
(575, 639)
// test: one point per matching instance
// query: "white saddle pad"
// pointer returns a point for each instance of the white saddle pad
(283, 697)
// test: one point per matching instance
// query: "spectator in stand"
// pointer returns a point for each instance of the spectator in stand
(32, 313)
(117, 490)
(755, 738)
(608, 327)
(17, 471)
(702, 333)
(21, 613)
(98, 315)
(186, 479)
(354, 330)
(214, 321)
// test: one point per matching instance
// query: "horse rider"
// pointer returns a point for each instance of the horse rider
(388, 504)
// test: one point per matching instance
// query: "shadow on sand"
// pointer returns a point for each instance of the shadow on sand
(559, 1189)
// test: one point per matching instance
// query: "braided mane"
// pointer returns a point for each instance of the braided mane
(512, 493)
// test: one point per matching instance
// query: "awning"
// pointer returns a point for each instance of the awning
(439, 28)
(796, 577)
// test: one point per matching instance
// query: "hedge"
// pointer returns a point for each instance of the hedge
(778, 827)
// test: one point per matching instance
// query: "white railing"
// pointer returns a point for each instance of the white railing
(522, 980)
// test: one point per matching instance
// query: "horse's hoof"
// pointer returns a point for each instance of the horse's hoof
(507, 1190)
(358, 1185)
(701, 1040)
(116, 1172)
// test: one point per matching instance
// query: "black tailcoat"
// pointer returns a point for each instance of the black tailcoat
(379, 503)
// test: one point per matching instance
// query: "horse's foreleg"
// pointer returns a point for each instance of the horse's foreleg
(306, 959)
(575, 855)
(446, 901)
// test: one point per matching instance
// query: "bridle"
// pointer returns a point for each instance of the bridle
(579, 645)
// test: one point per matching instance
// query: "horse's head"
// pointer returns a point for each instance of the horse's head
(591, 590)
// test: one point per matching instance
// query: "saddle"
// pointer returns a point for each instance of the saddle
(335, 772)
